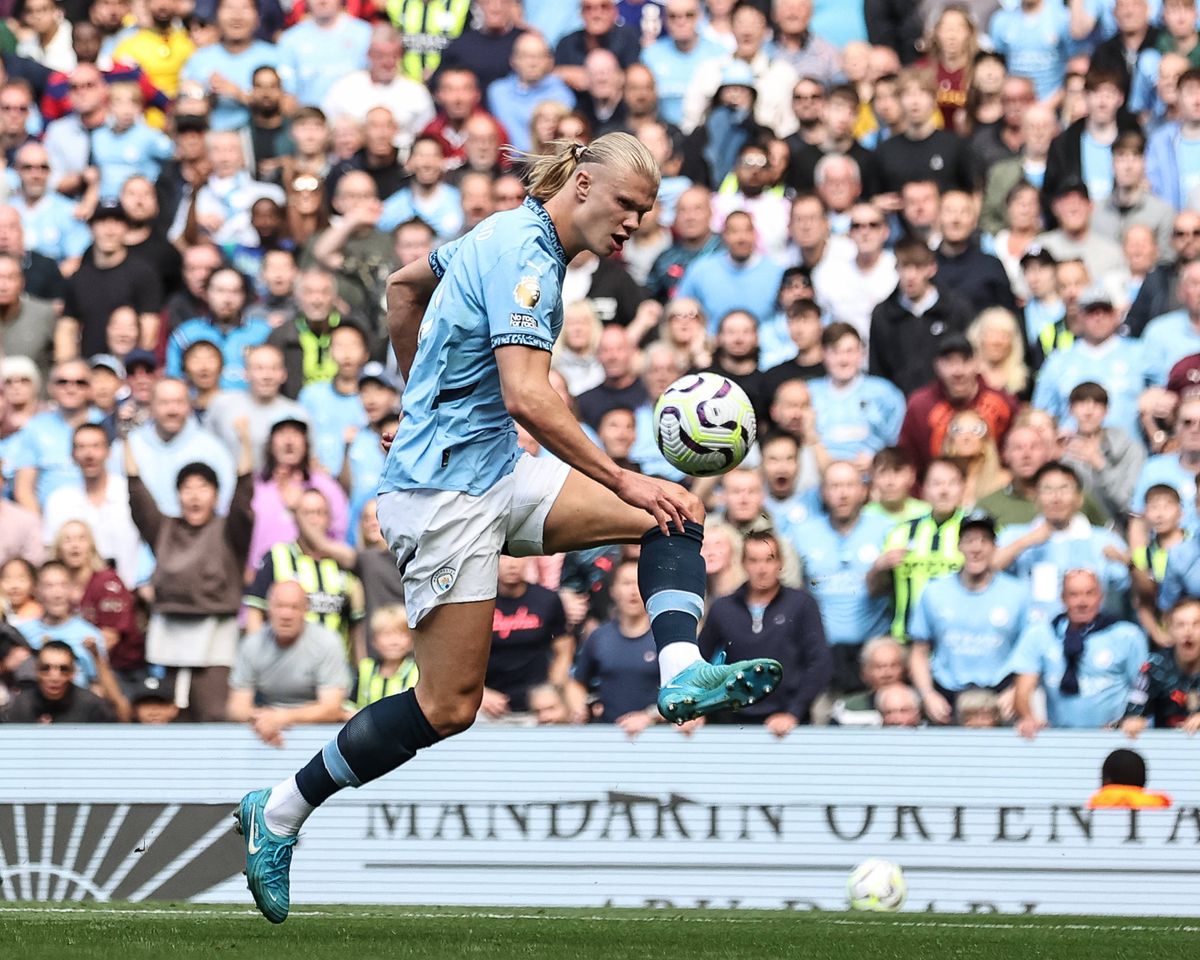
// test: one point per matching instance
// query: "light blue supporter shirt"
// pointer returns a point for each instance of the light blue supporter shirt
(1079, 547)
(1182, 578)
(971, 633)
(331, 413)
(46, 442)
(234, 343)
(673, 72)
(1035, 45)
(1165, 468)
(1188, 156)
(51, 227)
(73, 632)
(443, 211)
(1097, 168)
(863, 417)
(835, 571)
(1168, 339)
(1120, 365)
(312, 58)
(238, 68)
(140, 150)
(1111, 661)
(500, 285)
(721, 285)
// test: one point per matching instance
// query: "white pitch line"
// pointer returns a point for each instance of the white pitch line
(610, 918)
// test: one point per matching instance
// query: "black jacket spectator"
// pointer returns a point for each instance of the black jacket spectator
(614, 294)
(671, 264)
(977, 277)
(78, 706)
(1065, 160)
(623, 41)
(1159, 294)
(899, 24)
(804, 157)
(696, 168)
(902, 346)
(942, 157)
(790, 632)
(486, 55)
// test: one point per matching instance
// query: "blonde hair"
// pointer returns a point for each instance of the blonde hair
(547, 175)
(392, 617)
(94, 561)
(1014, 372)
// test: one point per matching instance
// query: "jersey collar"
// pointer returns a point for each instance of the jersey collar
(542, 215)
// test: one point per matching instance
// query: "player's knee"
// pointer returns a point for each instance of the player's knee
(452, 716)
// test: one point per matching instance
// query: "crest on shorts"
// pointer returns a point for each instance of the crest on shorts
(443, 579)
(528, 292)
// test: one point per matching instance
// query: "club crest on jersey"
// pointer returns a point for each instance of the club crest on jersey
(528, 292)
(443, 579)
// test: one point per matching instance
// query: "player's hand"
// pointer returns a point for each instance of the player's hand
(494, 705)
(1132, 726)
(781, 724)
(635, 722)
(664, 503)
(1190, 725)
(1028, 727)
(937, 707)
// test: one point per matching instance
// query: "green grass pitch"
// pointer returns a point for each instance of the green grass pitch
(234, 932)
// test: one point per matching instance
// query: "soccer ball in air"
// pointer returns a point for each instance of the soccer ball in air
(876, 885)
(704, 424)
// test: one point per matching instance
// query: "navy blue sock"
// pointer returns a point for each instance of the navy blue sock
(672, 581)
(375, 741)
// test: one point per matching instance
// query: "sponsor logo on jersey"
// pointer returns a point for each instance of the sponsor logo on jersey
(522, 320)
(528, 292)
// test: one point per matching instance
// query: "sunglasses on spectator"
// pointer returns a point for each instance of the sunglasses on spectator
(65, 382)
(968, 430)
(753, 162)
(64, 668)
(305, 183)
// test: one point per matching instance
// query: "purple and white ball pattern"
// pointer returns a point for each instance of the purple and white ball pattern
(704, 424)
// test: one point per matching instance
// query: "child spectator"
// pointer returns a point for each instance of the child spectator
(18, 579)
(393, 669)
(893, 480)
(127, 146)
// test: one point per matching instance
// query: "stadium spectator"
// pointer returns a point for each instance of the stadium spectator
(621, 387)
(737, 278)
(881, 662)
(161, 47)
(924, 548)
(97, 592)
(59, 621)
(381, 84)
(803, 318)
(614, 678)
(736, 355)
(1038, 126)
(837, 551)
(1059, 540)
(1086, 661)
(197, 581)
(20, 534)
(40, 455)
(693, 239)
(907, 328)
(600, 31)
(1130, 203)
(56, 697)
(332, 406)
(766, 617)
(792, 476)
(1123, 782)
(393, 669)
(530, 643)
(964, 627)
(856, 415)
(922, 150)
(1107, 459)
(1168, 166)
(977, 277)
(262, 404)
(51, 227)
(68, 139)
(109, 278)
(289, 672)
(1075, 238)
(996, 338)
(893, 480)
(899, 705)
(1167, 689)
(678, 56)
(18, 581)
(43, 279)
(851, 289)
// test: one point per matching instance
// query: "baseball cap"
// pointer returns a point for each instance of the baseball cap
(150, 687)
(1184, 378)
(106, 361)
(1095, 295)
(141, 358)
(1038, 254)
(109, 210)
(980, 520)
(737, 74)
(376, 372)
(290, 420)
(955, 344)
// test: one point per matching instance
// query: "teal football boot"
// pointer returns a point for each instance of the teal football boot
(705, 688)
(268, 857)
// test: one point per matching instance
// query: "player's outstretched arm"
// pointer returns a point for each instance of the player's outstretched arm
(408, 293)
(532, 402)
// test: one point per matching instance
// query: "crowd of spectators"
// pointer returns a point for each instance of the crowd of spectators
(950, 250)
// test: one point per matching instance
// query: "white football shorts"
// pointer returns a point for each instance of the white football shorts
(447, 544)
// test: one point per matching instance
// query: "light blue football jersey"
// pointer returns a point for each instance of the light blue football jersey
(500, 285)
